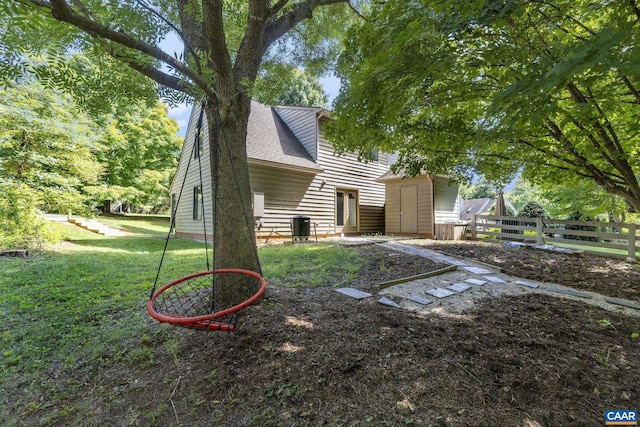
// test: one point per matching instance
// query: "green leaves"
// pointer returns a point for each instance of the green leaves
(494, 87)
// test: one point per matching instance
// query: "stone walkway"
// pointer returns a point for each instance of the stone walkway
(458, 291)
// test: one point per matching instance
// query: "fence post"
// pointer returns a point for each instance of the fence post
(473, 227)
(539, 235)
(632, 241)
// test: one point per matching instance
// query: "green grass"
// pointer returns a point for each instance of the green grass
(141, 225)
(79, 306)
(309, 265)
(594, 249)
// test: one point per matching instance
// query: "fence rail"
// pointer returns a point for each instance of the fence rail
(603, 235)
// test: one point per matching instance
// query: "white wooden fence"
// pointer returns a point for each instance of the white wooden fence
(609, 235)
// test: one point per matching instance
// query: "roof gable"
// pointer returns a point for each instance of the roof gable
(270, 140)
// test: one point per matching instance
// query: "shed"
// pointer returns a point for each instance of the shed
(416, 205)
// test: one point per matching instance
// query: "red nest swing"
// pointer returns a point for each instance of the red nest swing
(197, 301)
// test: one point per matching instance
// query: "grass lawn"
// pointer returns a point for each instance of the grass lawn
(81, 303)
(138, 224)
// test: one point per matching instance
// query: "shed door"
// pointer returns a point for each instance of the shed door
(409, 209)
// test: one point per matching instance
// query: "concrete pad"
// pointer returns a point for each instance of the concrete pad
(477, 270)
(476, 281)
(387, 301)
(527, 284)
(439, 292)
(353, 293)
(495, 279)
(459, 287)
(419, 300)
(568, 292)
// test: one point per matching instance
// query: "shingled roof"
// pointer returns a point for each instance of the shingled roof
(270, 141)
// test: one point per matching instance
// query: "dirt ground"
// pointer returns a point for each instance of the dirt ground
(313, 357)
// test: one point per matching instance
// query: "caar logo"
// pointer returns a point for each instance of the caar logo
(619, 417)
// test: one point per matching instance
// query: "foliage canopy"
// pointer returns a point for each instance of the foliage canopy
(551, 89)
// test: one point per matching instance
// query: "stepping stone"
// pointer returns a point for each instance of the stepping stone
(459, 287)
(387, 301)
(495, 279)
(624, 303)
(527, 284)
(353, 293)
(477, 270)
(420, 300)
(568, 292)
(476, 281)
(452, 261)
(439, 292)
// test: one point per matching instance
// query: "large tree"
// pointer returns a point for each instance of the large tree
(139, 155)
(225, 43)
(49, 146)
(551, 88)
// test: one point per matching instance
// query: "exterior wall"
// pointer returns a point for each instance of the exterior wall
(288, 192)
(184, 222)
(424, 206)
(346, 172)
(303, 123)
(445, 200)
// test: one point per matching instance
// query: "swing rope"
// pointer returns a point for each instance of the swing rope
(191, 301)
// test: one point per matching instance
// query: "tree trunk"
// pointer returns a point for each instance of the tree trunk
(106, 207)
(233, 235)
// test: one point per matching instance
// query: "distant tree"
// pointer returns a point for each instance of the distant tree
(532, 210)
(282, 84)
(573, 196)
(140, 155)
(49, 145)
(524, 192)
(480, 190)
(21, 225)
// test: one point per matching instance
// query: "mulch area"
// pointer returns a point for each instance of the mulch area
(606, 276)
(313, 357)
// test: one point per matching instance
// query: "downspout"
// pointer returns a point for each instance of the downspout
(433, 205)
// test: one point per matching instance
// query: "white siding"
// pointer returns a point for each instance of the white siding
(346, 172)
(445, 200)
(184, 223)
(302, 121)
(288, 194)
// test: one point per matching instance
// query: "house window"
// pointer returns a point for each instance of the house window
(197, 202)
(197, 142)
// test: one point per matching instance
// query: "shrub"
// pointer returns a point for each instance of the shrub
(577, 216)
(21, 226)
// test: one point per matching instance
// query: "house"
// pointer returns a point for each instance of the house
(293, 171)
(417, 205)
(471, 207)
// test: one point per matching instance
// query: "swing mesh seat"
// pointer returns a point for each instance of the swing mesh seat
(197, 302)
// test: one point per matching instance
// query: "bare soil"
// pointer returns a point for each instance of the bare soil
(313, 357)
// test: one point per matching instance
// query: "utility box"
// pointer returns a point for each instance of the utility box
(300, 228)
(258, 205)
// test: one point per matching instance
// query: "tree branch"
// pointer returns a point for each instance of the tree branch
(279, 26)
(61, 11)
(215, 42)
